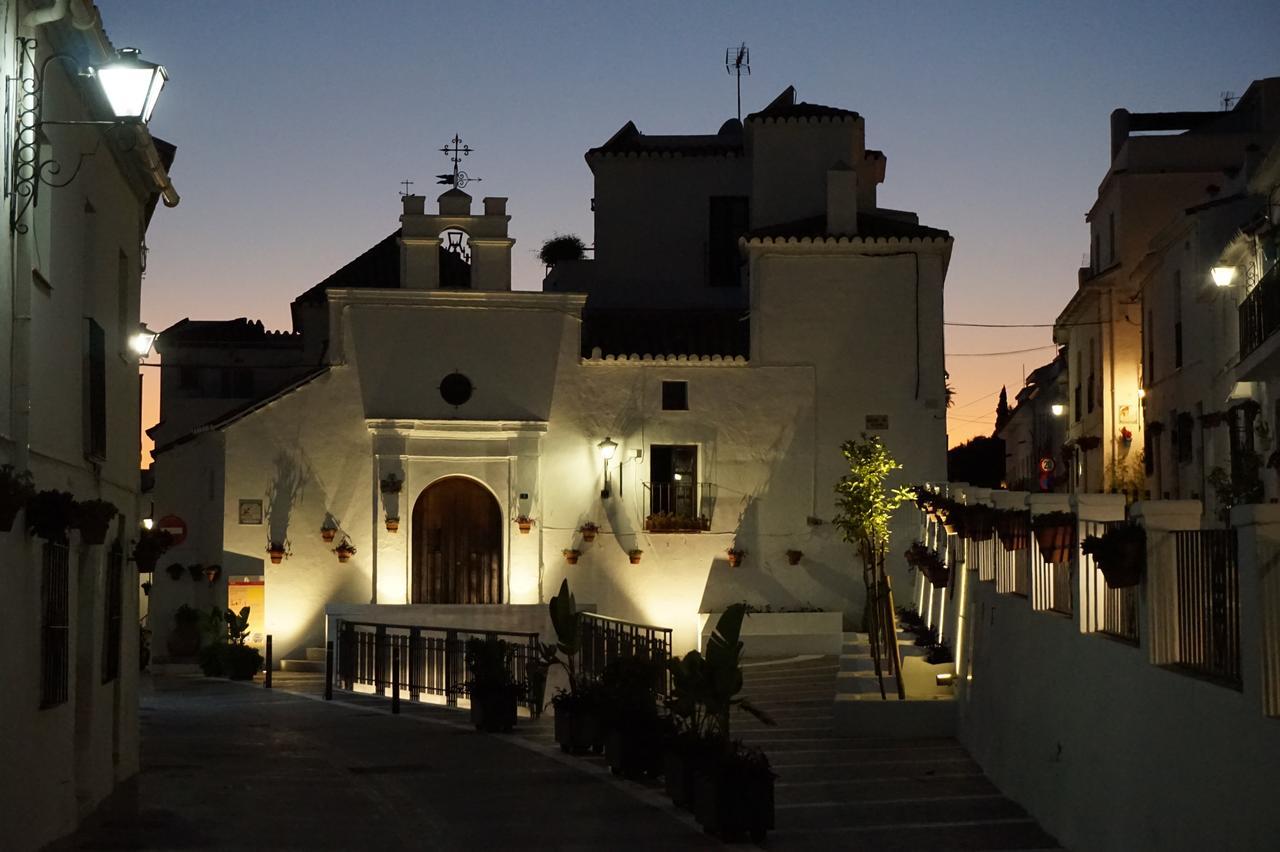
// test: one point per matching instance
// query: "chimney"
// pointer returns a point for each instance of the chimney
(414, 205)
(495, 206)
(842, 200)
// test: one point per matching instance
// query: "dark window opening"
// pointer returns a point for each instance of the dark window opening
(675, 396)
(1184, 435)
(55, 627)
(673, 472)
(455, 389)
(95, 392)
(455, 261)
(727, 221)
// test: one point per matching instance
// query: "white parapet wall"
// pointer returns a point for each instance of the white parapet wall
(779, 634)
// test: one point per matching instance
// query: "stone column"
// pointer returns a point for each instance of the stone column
(1258, 528)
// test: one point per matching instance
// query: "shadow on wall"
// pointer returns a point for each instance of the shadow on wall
(287, 488)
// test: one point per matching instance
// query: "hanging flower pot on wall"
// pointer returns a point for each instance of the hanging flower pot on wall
(794, 557)
(195, 571)
(979, 523)
(327, 533)
(525, 524)
(50, 514)
(735, 556)
(635, 556)
(345, 550)
(589, 531)
(15, 490)
(174, 571)
(277, 551)
(571, 556)
(1012, 527)
(393, 524)
(1120, 554)
(1055, 534)
(212, 573)
(93, 518)
(150, 546)
(146, 588)
(1089, 442)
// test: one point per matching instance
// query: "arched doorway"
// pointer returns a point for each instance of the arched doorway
(457, 544)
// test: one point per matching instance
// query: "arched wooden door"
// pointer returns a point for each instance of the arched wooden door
(457, 544)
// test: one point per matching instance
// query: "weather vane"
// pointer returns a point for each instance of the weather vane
(455, 151)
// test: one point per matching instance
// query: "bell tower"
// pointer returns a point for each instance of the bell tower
(454, 249)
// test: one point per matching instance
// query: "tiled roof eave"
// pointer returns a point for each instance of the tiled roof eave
(832, 239)
(666, 154)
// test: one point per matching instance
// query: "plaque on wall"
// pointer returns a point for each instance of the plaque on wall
(251, 511)
(877, 421)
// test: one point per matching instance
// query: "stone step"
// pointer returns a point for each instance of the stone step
(910, 811)
(987, 835)
(316, 654)
(302, 666)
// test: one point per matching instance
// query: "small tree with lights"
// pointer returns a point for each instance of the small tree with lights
(864, 507)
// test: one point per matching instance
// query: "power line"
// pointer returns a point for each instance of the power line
(1006, 352)
(1025, 324)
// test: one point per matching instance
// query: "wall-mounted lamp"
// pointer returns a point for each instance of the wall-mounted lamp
(1223, 275)
(140, 341)
(1142, 393)
(130, 85)
(1058, 409)
(148, 523)
(607, 448)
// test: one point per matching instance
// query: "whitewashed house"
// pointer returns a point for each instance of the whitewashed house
(73, 257)
(748, 308)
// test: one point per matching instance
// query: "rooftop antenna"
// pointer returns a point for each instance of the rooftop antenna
(737, 61)
(455, 151)
(1229, 100)
(406, 184)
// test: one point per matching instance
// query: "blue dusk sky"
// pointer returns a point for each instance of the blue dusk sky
(296, 120)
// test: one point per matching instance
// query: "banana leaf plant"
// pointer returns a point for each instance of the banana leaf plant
(705, 689)
(564, 618)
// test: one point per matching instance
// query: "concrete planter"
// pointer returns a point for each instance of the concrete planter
(768, 634)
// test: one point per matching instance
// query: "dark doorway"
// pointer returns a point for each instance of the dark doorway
(457, 544)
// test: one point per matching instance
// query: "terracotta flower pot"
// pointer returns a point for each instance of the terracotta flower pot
(343, 555)
(276, 555)
(635, 556)
(327, 534)
(588, 535)
(572, 557)
(212, 573)
(524, 525)
(1055, 542)
(794, 557)
(393, 524)
(735, 558)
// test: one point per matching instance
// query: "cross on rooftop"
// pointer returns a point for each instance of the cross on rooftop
(455, 151)
(406, 184)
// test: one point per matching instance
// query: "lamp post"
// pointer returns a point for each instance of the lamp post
(140, 341)
(130, 85)
(607, 448)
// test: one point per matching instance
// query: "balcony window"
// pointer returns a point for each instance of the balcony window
(673, 489)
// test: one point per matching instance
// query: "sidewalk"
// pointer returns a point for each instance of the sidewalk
(238, 767)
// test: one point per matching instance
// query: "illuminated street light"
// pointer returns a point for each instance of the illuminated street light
(1223, 275)
(1058, 409)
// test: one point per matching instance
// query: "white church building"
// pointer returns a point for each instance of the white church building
(682, 394)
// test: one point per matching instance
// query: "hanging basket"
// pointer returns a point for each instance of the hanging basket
(794, 557)
(393, 524)
(1055, 535)
(935, 571)
(1013, 529)
(589, 532)
(979, 523)
(1120, 554)
(571, 556)
(276, 552)
(327, 534)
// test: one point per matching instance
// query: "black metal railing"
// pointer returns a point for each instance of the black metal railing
(111, 604)
(1208, 611)
(603, 639)
(55, 624)
(680, 506)
(1260, 312)
(433, 660)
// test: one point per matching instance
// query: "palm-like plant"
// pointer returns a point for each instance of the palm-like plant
(705, 689)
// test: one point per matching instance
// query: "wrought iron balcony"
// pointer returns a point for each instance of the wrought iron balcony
(1260, 312)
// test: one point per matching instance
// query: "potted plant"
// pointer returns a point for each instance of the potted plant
(589, 531)
(393, 524)
(328, 529)
(729, 799)
(277, 551)
(174, 570)
(345, 549)
(493, 693)
(392, 484)
(525, 523)
(146, 588)
(1126, 436)
(670, 522)
(195, 572)
(935, 569)
(634, 554)
(50, 514)
(1013, 528)
(212, 573)
(980, 523)
(1120, 553)
(633, 733)
(571, 555)
(184, 639)
(1089, 442)
(1055, 534)
(149, 547)
(227, 654)
(794, 557)
(15, 490)
(93, 518)
(735, 556)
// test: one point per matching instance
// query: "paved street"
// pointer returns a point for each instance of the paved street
(233, 766)
(229, 766)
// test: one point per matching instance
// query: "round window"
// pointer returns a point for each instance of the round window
(455, 389)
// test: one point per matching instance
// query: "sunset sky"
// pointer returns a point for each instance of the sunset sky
(296, 121)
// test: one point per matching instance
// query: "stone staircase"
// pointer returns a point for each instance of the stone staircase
(837, 789)
(856, 679)
(314, 662)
